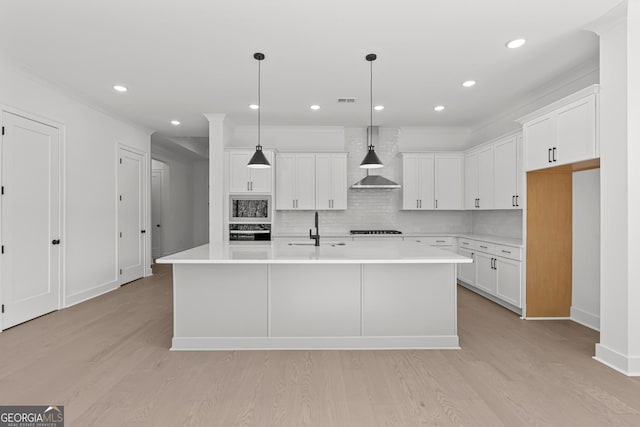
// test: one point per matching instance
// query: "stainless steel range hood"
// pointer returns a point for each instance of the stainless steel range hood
(372, 182)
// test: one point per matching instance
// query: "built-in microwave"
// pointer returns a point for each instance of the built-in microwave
(250, 208)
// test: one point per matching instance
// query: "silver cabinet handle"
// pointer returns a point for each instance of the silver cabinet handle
(440, 241)
(506, 252)
(248, 188)
(420, 203)
(465, 243)
(436, 203)
(483, 247)
(417, 204)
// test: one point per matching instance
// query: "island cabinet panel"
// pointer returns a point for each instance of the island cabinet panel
(235, 303)
(397, 301)
(315, 300)
(467, 272)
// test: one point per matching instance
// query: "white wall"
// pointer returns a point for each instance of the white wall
(289, 138)
(179, 215)
(585, 303)
(200, 202)
(91, 137)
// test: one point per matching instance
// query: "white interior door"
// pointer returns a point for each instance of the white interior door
(30, 219)
(156, 213)
(131, 215)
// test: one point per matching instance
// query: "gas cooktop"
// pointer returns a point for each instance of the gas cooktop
(375, 232)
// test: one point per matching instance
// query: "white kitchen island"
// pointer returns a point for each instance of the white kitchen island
(279, 296)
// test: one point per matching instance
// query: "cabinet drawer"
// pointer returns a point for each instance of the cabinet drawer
(434, 241)
(509, 252)
(486, 247)
(466, 243)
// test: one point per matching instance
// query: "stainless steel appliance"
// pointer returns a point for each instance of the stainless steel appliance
(381, 232)
(249, 232)
(250, 209)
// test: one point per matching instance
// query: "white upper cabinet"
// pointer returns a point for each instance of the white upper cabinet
(418, 181)
(507, 172)
(471, 181)
(449, 181)
(562, 133)
(295, 182)
(479, 179)
(331, 181)
(243, 179)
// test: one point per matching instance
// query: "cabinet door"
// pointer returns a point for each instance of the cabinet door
(485, 274)
(539, 136)
(285, 181)
(239, 172)
(508, 273)
(576, 132)
(339, 181)
(470, 180)
(485, 178)
(260, 179)
(467, 272)
(449, 185)
(505, 173)
(323, 181)
(410, 188)
(305, 181)
(426, 184)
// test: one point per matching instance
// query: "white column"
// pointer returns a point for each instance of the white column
(217, 140)
(619, 32)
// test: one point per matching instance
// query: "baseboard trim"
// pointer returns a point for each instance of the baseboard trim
(446, 342)
(547, 318)
(629, 366)
(585, 318)
(90, 293)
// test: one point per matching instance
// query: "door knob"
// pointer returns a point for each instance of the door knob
(143, 231)
(55, 242)
(157, 225)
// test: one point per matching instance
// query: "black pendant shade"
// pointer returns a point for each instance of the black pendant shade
(258, 160)
(371, 159)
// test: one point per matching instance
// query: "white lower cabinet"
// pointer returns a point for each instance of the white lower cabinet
(467, 272)
(485, 274)
(508, 280)
(496, 270)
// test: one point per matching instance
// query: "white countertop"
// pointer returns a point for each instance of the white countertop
(279, 252)
(509, 241)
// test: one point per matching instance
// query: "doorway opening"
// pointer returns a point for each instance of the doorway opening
(159, 207)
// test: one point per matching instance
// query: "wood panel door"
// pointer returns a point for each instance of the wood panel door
(131, 221)
(31, 240)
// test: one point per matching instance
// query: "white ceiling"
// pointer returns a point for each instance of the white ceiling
(182, 58)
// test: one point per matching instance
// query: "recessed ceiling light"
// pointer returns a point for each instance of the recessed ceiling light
(254, 106)
(379, 107)
(315, 107)
(175, 122)
(120, 88)
(514, 44)
(439, 107)
(469, 83)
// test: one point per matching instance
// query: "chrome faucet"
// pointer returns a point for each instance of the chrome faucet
(316, 236)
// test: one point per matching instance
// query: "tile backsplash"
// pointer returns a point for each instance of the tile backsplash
(505, 223)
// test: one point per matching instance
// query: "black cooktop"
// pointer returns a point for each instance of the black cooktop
(375, 232)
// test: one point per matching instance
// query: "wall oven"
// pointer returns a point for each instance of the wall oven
(249, 233)
(255, 209)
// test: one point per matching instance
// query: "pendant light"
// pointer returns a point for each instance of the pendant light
(259, 160)
(371, 160)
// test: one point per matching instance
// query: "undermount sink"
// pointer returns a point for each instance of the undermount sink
(321, 244)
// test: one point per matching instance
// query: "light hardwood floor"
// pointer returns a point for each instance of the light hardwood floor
(107, 361)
